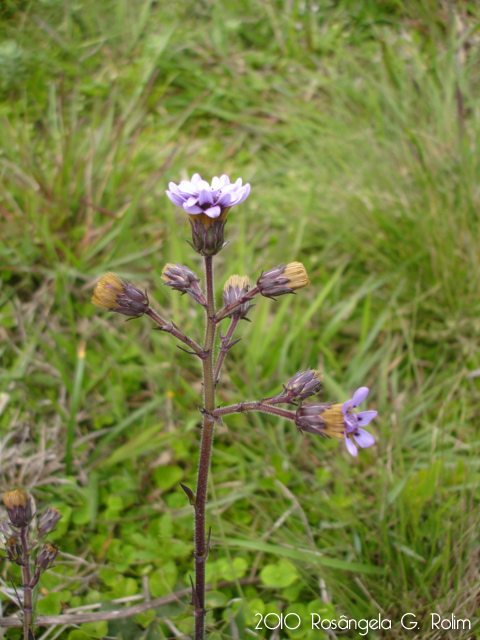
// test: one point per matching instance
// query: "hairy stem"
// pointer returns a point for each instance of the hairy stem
(201, 547)
(27, 606)
(223, 352)
(259, 405)
(174, 330)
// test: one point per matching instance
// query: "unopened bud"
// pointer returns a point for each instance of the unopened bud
(46, 556)
(303, 385)
(120, 296)
(48, 521)
(183, 279)
(14, 550)
(285, 278)
(234, 289)
(19, 507)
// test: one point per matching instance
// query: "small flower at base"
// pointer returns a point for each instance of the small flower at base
(286, 278)
(207, 206)
(234, 289)
(19, 507)
(46, 556)
(48, 521)
(302, 385)
(117, 295)
(339, 421)
(183, 279)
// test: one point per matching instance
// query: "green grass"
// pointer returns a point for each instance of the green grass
(357, 125)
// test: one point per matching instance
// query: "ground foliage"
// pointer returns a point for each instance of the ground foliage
(357, 124)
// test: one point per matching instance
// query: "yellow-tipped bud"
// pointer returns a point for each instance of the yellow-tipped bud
(296, 274)
(237, 282)
(233, 290)
(107, 290)
(285, 278)
(165, 271)
(19, 507)
(334, 421)
(115, 294)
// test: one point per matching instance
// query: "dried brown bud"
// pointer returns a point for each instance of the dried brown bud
(234, 289)
(46, 556)
(285, 278)
(117, 295)
(19, 507)
(48, 521)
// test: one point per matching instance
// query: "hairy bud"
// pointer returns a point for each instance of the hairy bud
(183, 279)
(117, 295)
(46, 556)
(48, 521)
(285, 278)
(234, 289)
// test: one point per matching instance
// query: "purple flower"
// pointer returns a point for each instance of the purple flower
(197, 196)
(338, 421)
(355, 421)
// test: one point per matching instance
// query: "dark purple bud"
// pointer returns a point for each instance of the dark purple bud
(14, 550)
(48, 521)
(303, 385)
(183, 279)
(46, 556)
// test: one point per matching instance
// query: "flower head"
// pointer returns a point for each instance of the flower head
(285, 278)
(339, 421)
(46, 556)
(207, 206)
(234, 289)
(48, 521)
(197, 196)
(118, 295)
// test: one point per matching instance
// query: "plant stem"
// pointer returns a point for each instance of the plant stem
(253, 406)
(223, 352)
(201, 548)
(223, 313)
(174, 330)
(27, 606)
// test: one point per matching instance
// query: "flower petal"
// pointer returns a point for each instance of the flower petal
(360, 395)
(351, 448)
(192, 209)
(365, 417)
(213, 212)
(205, 197)
(363, 438)
(175, 198)
(351, 422)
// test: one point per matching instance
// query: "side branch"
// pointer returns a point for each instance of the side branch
(163, 325)
(259, 405)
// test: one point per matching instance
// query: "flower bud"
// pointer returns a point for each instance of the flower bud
(303, 385)
(118, 295)
(285, 278)
(48, 521)
(46, 556)
(14, 550)
(183, 279)
(234, 289)
(309, 418)
(19, 507)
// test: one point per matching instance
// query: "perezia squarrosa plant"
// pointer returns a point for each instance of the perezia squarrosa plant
(207, 206)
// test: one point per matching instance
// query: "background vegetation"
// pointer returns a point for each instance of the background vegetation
(357, 124)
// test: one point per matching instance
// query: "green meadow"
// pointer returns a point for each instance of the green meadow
(357, 124)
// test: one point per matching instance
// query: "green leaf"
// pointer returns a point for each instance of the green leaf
(281, 574)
